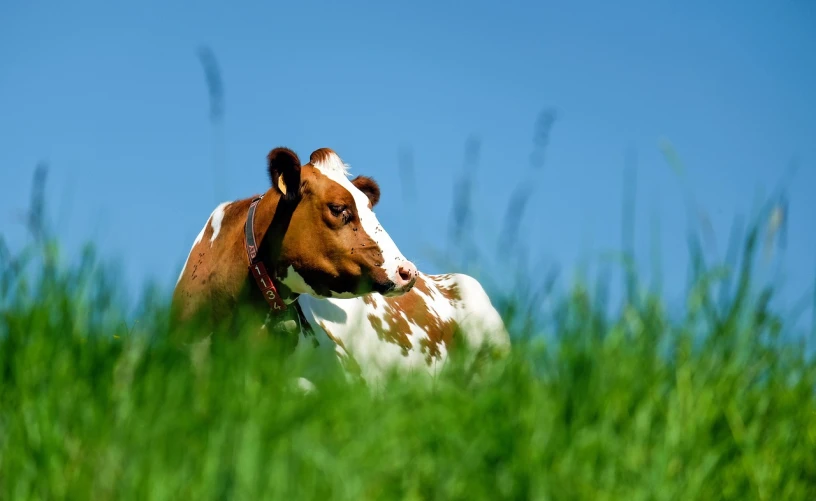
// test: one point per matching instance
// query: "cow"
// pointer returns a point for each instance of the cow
(313, 232)
(312, 263)
(416, 332)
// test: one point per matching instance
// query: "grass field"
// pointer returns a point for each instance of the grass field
(630, 406)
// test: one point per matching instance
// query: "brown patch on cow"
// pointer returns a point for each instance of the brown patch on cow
(449, 292)
(410, 309)
(422, 286)
(395, 331)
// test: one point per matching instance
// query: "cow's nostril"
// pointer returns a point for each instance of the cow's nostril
(407, 272)
(404, 274)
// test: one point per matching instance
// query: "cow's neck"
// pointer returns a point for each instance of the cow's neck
(271, 221)
(274, 215)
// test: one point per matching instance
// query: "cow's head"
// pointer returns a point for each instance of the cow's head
(334, 246)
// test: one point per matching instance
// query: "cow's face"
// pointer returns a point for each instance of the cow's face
(334, 245)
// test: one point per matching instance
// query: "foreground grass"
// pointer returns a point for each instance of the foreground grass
(631, 407)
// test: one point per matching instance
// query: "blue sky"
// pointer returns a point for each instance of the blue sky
(113, 97)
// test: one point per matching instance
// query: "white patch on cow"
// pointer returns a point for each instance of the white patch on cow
(216, 218)
(337, 171)
(334, 165)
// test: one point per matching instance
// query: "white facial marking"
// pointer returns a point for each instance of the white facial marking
(216, 218)
(337, 171)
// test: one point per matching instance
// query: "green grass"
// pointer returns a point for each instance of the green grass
(712, 403)
(636, 405)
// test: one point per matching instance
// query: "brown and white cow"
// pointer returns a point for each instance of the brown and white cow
(328, 255)
(313, 232)
(373, 335)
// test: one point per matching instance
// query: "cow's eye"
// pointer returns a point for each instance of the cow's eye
(340, 211)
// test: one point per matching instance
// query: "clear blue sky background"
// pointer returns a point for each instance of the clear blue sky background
(113, 97)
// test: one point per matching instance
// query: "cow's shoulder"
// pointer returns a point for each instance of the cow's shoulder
(216, 263)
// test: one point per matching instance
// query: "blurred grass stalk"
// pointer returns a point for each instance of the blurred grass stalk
(215, 91)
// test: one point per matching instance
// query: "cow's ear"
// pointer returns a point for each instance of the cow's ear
(369, 187)
(284, 172)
